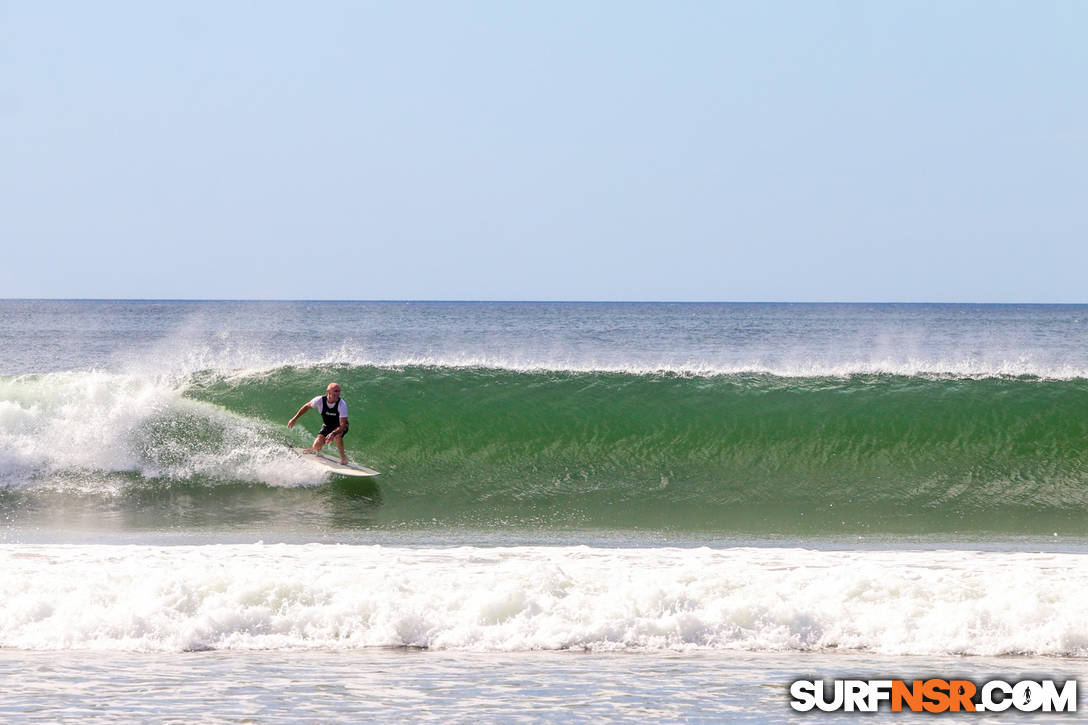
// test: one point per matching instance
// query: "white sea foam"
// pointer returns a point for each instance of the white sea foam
(526, 598)
(59, 426)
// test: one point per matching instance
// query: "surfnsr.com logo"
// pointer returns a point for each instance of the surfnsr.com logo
(934, 695)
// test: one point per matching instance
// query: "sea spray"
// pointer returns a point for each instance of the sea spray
(73, 426)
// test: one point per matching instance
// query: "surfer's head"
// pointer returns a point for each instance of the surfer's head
(333, 390)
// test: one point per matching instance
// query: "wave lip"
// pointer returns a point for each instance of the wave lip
(938, 368)
(518, 599)
(241, 363)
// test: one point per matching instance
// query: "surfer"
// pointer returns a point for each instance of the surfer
(334, 416)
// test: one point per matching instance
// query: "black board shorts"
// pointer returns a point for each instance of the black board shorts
(326, 429)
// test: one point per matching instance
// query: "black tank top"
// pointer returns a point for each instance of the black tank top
(330, 415)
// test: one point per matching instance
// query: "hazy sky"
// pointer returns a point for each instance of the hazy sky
(805, 151)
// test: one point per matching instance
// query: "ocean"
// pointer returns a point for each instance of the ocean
(587, 511)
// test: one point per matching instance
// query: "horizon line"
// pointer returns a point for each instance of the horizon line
(528, 301)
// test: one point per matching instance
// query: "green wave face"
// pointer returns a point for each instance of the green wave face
(474, 446)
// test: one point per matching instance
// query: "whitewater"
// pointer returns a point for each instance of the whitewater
(739, 495)
(503, 599)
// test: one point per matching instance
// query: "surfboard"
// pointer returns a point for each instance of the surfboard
(333, 465)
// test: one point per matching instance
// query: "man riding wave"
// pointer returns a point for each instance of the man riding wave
(334, 417)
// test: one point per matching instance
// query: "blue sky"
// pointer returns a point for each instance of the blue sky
(801, 151)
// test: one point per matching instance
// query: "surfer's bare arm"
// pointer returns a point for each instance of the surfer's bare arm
(299, 414)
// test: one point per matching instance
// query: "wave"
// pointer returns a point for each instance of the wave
(186, 598)
(483, 445)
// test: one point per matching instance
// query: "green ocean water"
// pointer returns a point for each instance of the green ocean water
(602, 449)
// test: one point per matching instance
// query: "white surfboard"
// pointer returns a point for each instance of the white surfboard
(333, 465)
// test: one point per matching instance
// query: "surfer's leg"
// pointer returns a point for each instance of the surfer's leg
(319, 443)
(340, 445)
